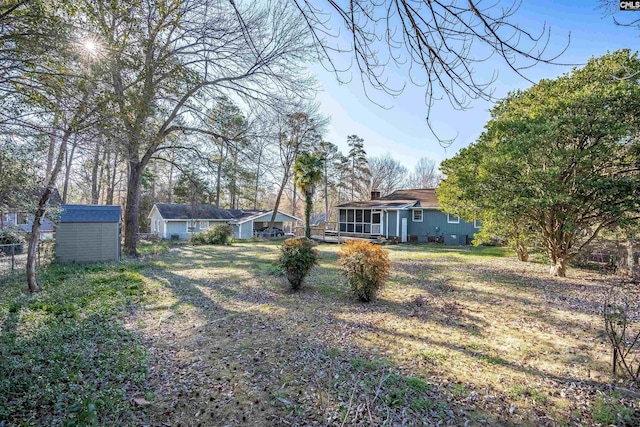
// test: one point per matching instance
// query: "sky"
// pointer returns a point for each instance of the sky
(400, 128)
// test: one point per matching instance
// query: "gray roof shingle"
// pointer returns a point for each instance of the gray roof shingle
(175, 211)
(90, 213)
(425, 197)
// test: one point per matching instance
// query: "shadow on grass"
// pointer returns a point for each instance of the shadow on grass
(260, 356)
(65, 355)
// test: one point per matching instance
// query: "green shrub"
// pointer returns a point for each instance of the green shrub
(367, 267)
(217, 235)
(13, 236)
(608, 410)
(297, 258)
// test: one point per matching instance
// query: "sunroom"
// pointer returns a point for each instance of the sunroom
(360, 221)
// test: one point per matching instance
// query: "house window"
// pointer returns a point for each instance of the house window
(22, 218)
(417, 215)
(477, 223)
(191, 226)
(204, 225)
(453, 219)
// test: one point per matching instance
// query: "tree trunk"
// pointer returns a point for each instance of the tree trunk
(67, 172)
(94, 176)
(294, 200)
(112, 180)
(170, 182)
(103, 166)
(326, 194)
(131, 213)
(522, 252)
(50, 154)
(285, 178)
(307, 213)
(559, 267)
(219, 173)
(234, 179)
(32, 281)
(255, 197)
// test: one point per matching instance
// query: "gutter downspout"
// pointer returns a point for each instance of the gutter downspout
(398, 223)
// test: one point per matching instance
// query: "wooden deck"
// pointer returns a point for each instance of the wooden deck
(328, 234)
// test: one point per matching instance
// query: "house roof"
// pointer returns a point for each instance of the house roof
(256, 215)
(423, 197)
(90, 213)
(210, 212)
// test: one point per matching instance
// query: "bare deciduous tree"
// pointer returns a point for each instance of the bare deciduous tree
(163, 57)
(424, 175)
(437, 45)
(386, 174)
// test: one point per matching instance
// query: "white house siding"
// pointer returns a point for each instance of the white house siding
(179, 228)
(246, 229)
(157, 224)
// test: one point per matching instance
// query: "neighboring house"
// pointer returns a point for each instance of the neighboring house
(24, 220)
(185, 220)
(407, 215)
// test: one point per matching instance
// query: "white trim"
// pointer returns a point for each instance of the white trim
(475, 223)
(199, 219)
(452, 222)
(380, 207)
(413, 215)
(151, 212)
(397, 223)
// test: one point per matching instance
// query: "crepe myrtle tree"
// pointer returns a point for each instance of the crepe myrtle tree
(563, 158)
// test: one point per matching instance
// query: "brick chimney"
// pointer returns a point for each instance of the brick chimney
(375, 194)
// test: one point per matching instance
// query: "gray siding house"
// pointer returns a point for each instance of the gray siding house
(185, 220)
(12, 217)
(406, 215)
(88, 233)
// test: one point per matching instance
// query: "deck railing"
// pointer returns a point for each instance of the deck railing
(321, 230)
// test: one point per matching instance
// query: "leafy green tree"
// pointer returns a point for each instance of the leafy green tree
(560, 159)
(18, 178)
(191, 189)
(358, 167)
(307, 175)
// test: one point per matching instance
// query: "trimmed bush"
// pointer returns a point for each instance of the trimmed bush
(297, 258)
(217, 235)
(367, 267)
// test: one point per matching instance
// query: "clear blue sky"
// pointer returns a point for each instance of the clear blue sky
(402, 131)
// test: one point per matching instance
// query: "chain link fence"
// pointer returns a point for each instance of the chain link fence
(13, 257)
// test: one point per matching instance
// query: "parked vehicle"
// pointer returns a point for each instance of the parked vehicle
(267, 232)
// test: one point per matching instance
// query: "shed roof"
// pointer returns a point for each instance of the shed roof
(423, 197)
(90, 213)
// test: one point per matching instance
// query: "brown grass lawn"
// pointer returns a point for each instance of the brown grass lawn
(459, 336)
